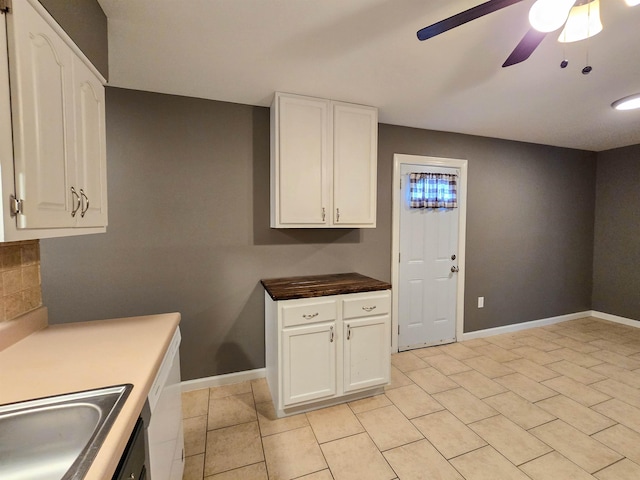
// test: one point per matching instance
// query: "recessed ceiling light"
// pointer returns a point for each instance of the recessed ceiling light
(627, 103)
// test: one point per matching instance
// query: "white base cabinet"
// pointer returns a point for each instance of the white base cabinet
(326, 350)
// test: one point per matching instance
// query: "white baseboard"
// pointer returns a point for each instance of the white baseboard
(219, 380)
(524, 325)
(614, 318)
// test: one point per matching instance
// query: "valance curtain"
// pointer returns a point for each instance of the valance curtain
(433, 190)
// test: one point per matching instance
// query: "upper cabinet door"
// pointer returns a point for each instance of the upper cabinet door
(355, 141)
(41, 70)
(91, 152)
(300, 149)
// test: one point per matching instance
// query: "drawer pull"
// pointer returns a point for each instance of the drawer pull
(310, 316)
(331, 335)
(368, 309)
(348, 332)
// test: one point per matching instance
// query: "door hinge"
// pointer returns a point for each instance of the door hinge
(398, 329)
(400, 183)
(16, 206)
(5, 6)
(399, 257)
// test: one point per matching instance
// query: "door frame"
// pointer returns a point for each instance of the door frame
(398, 160)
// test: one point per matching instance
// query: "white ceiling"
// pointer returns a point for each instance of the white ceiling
(366, 51)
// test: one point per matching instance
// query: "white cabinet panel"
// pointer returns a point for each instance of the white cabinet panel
(323, 163)
(364, 366)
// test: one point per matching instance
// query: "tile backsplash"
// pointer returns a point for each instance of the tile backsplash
(20, 290)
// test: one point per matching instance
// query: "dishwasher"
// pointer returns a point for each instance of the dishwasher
(162, 416)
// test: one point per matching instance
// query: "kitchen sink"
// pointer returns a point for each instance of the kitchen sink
(57, 438)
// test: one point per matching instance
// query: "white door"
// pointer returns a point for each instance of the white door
(428, 269)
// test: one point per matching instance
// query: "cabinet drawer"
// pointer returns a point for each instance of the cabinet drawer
(296, 312)
(366, 305)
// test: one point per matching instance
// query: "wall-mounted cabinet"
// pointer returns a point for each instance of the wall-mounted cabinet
(54, 143)
(323, 163)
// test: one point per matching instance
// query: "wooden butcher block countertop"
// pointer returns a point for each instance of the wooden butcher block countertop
(321, 285)
(72, 357)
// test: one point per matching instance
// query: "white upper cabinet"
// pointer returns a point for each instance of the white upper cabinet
(323, 163)
(58, 163)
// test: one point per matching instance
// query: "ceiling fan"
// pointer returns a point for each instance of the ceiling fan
(545, 16)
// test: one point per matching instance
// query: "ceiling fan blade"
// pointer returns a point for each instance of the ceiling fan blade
(463, 17)
(525, 48)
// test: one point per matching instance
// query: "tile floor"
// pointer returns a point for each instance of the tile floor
(557, 402)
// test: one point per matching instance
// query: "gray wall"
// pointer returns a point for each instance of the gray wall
(85, 22)
(189, 228)
(616, 263)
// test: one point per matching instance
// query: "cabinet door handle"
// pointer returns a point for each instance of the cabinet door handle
(310, 316)
(85, 205)
(75, 209)
(324, 214)
(337, 215)
(331, 334)
(348, 332)
(368, 309)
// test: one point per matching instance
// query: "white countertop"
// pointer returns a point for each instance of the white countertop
(79, 356)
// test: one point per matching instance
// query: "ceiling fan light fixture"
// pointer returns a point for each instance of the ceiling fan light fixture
(631, 102)
(583, 22)
(549, 15)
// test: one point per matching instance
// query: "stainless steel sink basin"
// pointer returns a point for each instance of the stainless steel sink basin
(57, 438)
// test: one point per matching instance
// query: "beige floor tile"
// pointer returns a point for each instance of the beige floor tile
(446, 364)
(226, 390)
(576, 345)
(448, 434)
(459, 351)
(388, 428)
(575, 414)
(630, 377)
(621, 412)
(427, 351)
(486, 464)
(419, 461)
(519, 410)
(464, 405)
(581, 393)
(334, 422)
(292, 454)
(544, 334)
(510, 440)
(193, 467)
(539, 343)
(535, 355)
(270, 424)
(618, 390)
(195, 435)
(398, 379)
(476, 342)
(525, 387)
(231, 410)
(488, 366)
(496, 353)
(356, 458)
(554, 466)
(195, 403)
(257, 471)
(321, 475)
(579, 336)
(617, 359)
(581, 449)
(232, 447)
(261, 391)
(407, 361)
(478, 384)
(508, 341)
(371, 403)
(413, 401)
(431, 380)
(579, 358)
(578, 373)
(531, 369)
(623, 349)
(623, 470)
(623, 440)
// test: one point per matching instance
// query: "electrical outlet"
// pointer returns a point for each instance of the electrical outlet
(480, 302)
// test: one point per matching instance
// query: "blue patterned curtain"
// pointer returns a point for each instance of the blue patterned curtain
(433, 190)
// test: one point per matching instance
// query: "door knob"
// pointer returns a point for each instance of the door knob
(455, 269)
